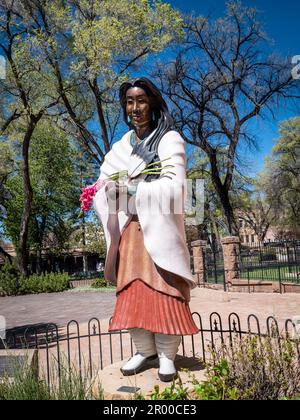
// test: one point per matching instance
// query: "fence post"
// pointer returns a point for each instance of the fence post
(297, 265)
(224, 282)
(261, 262)
(279, 276)
(231, 252)
(199, 257)
(248, 279)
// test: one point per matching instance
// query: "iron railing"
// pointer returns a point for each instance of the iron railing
(89, 349)
(277, 261)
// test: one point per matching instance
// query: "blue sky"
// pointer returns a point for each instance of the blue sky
(281, 23)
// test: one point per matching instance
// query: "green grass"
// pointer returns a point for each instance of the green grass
(25, 384)
(260, 274)
(272, 274)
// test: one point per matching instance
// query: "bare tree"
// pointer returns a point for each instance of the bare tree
(221, 79)
(258, 216)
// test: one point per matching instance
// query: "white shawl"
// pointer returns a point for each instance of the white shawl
(159, 206)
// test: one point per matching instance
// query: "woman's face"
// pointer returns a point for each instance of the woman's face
(138, 107)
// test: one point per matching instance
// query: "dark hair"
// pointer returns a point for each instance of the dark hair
(162, 120)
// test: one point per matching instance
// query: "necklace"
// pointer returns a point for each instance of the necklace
(133, 135)
(132, 142)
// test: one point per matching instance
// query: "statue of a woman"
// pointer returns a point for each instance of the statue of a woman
(147, 255)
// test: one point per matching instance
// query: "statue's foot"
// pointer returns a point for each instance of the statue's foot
(136, 363)
(167, 370)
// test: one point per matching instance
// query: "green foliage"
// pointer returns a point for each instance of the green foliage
(89, 237)
(71, 385)
(25, 386)
(280, 181)
(249, 368)
(99, 283)
(252, 369)
(12, 283)
(56, 189)
(9, 280)
(123, 30)
(45, 283)
(67, 61)
(175, 392)
(216, 387)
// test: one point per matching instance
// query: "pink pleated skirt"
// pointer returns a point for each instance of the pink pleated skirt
(139, 303)
(140, 306)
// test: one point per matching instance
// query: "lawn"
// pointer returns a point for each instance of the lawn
(274, 273)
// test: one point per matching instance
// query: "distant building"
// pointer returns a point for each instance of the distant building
(248, 236)
(70, 261)
(9, 249)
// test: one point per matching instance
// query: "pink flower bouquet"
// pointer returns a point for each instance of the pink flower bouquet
(89, 192)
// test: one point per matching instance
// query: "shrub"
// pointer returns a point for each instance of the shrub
(249, 368)
(253, 368)
(71, 385)
(45, 283)
(175, 392)
(25, 386)
(9, 280)
(98, 283)
(12, 283)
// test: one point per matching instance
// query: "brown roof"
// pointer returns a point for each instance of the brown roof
(9, 249)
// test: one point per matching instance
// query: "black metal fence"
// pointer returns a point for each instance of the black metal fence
(277, 261)
(214, 266)
(89, 349)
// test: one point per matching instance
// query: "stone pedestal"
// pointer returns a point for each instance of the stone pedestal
(199, 259)
(231, 253)
(118, 387)
(13, 360)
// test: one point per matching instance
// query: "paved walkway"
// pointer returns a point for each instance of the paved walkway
(262, 305)
(59, 308)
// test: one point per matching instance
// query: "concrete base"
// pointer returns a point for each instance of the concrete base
(260, 286)
(12, 360)
(254, 286)
(119, 387)
(291, 287)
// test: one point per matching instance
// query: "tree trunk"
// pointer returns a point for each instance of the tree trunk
(232, 227)
(223, 193)
(28, 196)
(41, 231)
(228, 211)
(214, 229)
(97, 93)
(38, 262)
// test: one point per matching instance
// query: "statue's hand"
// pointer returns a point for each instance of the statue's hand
(111, 189)
(122, 186)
